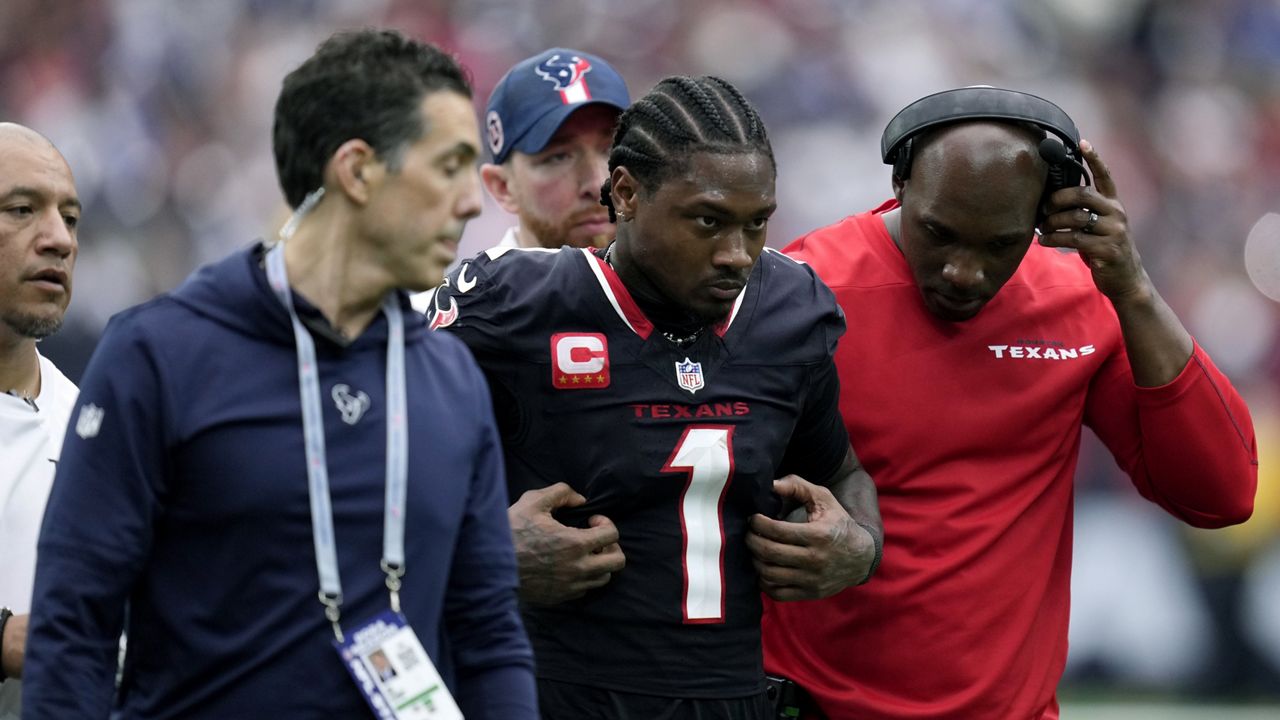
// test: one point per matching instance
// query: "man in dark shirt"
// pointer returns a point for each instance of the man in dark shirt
(670, 379)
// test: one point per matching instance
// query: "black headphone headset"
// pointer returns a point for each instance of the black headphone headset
(984, 102)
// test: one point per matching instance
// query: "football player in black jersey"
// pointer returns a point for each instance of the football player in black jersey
(681, 381)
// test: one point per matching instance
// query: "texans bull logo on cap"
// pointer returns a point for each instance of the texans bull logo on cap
(541, 92)
(569, 77)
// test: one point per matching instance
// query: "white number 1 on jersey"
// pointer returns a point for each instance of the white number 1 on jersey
(705, 454)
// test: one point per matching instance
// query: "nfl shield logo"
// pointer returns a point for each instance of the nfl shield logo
(89, 421)
(689, 375)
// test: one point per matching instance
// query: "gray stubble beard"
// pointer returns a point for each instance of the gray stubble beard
(33, 326)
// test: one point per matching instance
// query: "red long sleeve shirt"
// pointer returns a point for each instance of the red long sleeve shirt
(971, 431)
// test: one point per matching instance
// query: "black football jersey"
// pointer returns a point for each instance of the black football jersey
(677, 445)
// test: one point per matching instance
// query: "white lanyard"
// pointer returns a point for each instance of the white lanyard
(313, 434)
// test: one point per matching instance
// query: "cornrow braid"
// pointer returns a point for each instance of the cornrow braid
(745, 110)
(628, 157)
(681, 116)
(653, 110)
(708, 106)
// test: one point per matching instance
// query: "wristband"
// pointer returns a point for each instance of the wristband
(5, 614)
(875, 561)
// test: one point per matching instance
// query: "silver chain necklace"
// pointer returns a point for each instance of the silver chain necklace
(678, 340)
(681, 340)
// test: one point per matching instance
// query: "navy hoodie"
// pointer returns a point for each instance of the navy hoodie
(188, 499)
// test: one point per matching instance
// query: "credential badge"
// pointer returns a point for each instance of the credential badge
(689, 375)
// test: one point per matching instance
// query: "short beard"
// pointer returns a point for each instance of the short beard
(36, 327)
(554, 235)
(547, 234)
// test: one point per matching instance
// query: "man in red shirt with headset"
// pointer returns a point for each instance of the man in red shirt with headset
(977, 350)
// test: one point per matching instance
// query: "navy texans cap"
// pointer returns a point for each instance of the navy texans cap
(536, 96)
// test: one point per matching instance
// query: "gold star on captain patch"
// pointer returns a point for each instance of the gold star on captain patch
(576, 380)
(599, 378)
(563, 379)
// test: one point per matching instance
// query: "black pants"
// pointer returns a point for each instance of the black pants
(568, 701)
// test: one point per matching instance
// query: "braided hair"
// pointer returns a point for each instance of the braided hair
(658, 134)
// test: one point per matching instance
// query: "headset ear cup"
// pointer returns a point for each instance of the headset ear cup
(1072, 172)
(902, 161)
(1061, 175)
(1055, 181)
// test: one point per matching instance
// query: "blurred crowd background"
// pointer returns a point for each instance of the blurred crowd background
(164, 112)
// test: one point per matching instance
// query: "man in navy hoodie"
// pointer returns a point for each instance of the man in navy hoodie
(282, 425)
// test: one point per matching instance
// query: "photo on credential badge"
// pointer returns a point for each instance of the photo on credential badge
(394, 673)
(381, 666)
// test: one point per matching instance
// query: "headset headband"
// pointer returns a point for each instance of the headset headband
(974, 103)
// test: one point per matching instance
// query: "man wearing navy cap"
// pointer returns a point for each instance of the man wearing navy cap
(549, 124)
